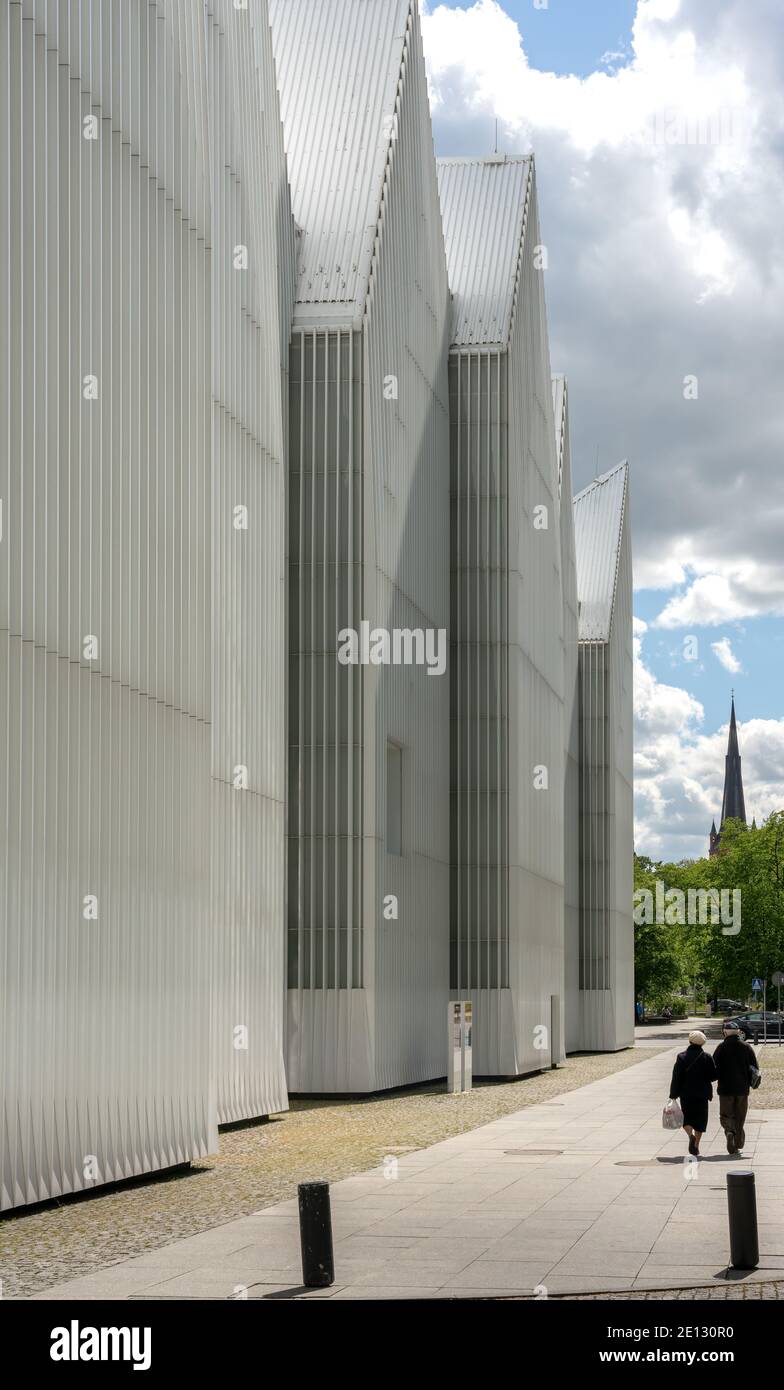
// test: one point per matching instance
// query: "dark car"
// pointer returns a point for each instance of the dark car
(754, 1026)
(729, 1006)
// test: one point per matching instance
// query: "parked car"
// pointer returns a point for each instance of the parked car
(754, 1026)
(729, 1006)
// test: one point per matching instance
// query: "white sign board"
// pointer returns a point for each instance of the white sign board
(459, 1066)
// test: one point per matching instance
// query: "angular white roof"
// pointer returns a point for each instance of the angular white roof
(483, 207)
(598, 531)
(338, 64)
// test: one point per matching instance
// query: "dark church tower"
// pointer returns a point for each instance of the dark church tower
(733, 806)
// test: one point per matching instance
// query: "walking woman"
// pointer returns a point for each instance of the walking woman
(692, 1078)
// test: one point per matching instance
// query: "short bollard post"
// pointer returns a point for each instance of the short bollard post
(742, 1212)
(315, 1231)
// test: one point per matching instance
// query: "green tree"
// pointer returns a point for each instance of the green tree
(750, 864)
(656, 966)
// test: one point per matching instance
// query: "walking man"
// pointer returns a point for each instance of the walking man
(733, 1060)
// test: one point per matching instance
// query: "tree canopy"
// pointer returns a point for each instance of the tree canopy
(751, 863)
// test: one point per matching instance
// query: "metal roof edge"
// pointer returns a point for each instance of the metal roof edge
(530, 182)
(621, 523)
(365, 282)
(484, 158)
(463, 349)
(603, 478)
(610, 533)
(342, 315)
(507, 243)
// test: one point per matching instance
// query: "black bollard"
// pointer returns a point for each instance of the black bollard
(315, 1231)
(742, 1212)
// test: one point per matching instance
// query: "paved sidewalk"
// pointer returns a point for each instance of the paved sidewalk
(584, 1194)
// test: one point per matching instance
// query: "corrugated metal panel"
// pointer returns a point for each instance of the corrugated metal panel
(483, 205)
(572, 1024)
(536, 825)
(106, 502)
(606, 968)
(325, 708)
(251, 314)
(338, 64)
(598, 527)
(114, 527)
(369, 536)
(480, 638)
(507, 629)
(621, 665)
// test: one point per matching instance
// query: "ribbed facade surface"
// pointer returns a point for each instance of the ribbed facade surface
(571, 786)
(369, 541)
(252, 295)
(604, 996)
(129, 683)
(507, 628)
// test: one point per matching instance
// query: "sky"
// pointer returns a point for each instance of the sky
(658, 132)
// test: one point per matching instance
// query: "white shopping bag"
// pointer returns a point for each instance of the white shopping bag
(672, 1115)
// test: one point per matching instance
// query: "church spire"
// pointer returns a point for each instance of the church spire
(733, 806)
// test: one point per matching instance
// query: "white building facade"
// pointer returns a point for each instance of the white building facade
(571, 727)
(603, 1000)
(149, 251)
(368, 868)
(507, 631)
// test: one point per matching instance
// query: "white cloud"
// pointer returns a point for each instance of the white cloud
(659, 206)
(672, 91)
(658, 572)
(724, 653)
(746, 590)
(707, 602)
(661, 709)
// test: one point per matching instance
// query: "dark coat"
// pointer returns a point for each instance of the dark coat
(692, 1075)
(732, 1060)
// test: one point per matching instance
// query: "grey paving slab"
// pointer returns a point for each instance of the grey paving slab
(460, 1250)
(404, 1223)
(574, 1284)
(615, 1264)
(512, 1275)
(116, 1281)
(358, 1291)
(527, 1248)
(493, 1225)
(425, 1274)
(368, 1245)
(604, 1245)
(560, 1225)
